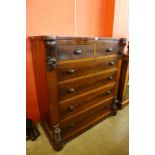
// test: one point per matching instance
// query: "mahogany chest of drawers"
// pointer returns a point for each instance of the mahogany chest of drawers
(77, 83)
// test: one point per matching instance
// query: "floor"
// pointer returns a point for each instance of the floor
(110, 137)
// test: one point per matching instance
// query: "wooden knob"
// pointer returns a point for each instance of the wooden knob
(112, 63)
(72, 124)
(108, 92)
(71, 108)
(71, 71)
(71, 90)
(109, 50)
(77, 52)
(110, 77)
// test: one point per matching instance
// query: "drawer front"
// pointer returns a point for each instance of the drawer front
(75, 69)
(107, 49)
(79, 121)
(81, 103)
(72, 52)
(73, 88)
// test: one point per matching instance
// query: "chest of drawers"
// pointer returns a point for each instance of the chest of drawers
(77, 83)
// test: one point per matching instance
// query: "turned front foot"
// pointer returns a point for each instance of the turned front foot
(58, 147)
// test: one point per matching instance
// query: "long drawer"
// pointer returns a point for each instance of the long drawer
(107, 49)
(71, 52)
(76, 123)
(80, 85)
(80, 103)
(75, 69)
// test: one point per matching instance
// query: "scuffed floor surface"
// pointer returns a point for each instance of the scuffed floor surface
(110, 137)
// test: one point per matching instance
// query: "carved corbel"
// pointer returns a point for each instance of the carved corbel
(51, 55)
(123, 43)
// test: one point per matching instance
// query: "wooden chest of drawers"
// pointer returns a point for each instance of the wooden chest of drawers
(77, 83)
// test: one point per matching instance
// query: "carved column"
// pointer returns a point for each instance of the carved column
(123, 43)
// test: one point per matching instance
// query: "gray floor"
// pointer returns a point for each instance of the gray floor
(110, 137)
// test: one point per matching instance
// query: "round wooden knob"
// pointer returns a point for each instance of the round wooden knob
(109, 50)
(72, 124)
(71, 71)
(108, 92)
(110, 77)
(71, 90)
(71, 108)
(77, 52)
(112, 63)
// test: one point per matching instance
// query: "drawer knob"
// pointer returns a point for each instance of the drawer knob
(108, 92)
(72, 124)
(71, 71)
(109, 50)
(71, 90)
(112, 63)
(77, 52)
(110, 77)
(71, 108)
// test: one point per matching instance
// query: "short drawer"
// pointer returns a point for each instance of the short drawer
(73, 124)
(72, 52)
(81, 103)
(78, 86)
(75, 69)
(107, 49)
